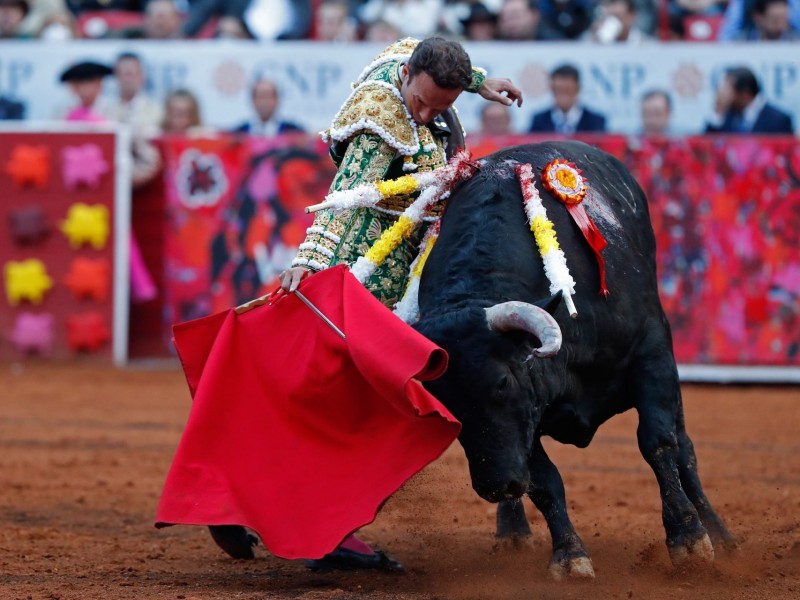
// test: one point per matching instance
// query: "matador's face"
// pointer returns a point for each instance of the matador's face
(423, 98)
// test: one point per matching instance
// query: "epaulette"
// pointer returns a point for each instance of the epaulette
(377, 107)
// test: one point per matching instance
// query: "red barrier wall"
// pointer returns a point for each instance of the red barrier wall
(57, 214)
(726, 212)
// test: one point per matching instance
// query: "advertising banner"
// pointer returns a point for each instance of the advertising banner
(314, 77)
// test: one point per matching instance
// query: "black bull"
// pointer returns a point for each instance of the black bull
(616, 355)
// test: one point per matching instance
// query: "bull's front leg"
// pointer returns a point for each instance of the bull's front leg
(570, 557)
(513, 529)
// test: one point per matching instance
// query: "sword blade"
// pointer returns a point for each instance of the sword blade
(319, 313)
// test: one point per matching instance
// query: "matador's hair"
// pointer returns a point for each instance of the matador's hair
(445, 61)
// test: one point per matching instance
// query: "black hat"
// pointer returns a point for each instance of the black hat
(86, 71)
(478, 13)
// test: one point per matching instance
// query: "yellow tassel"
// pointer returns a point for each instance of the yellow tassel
(401, 186)
(389, 240)
(544, 234)
(417, 272)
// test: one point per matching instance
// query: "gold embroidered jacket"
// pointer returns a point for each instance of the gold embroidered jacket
(373, 137)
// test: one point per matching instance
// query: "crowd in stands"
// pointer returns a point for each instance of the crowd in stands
(740, 107)
(599, 21)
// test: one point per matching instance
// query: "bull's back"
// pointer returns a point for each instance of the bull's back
(486, 254)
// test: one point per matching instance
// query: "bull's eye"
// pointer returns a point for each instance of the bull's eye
(502, 388)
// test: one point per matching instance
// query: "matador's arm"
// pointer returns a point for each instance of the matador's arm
(366, 160)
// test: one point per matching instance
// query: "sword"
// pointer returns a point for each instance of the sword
(319, 313)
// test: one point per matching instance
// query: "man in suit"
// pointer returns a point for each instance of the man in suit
(567, 115)
(11, 110)
(741, 108)
(265, 98)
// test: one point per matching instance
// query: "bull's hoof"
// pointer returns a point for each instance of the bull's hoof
(343, 559)
(513, 543)
(722, 541)
(575, 568)
(234, 540)
(700, 552)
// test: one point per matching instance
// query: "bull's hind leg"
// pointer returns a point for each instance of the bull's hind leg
(570, 557)
(659, 407)
(513, 530)
(690, 480)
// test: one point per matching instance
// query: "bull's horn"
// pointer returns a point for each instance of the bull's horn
(514, 315)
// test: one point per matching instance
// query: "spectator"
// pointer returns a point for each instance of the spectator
(567, 115)
(41, 13)
(11, 110)
(182, 115)
(265, 98)
(738, 18)
(680, 10)
(79, 6)
(480, 25)
(616, 23)
(85, 80)
(566, 19)
(770, 23)
(201, 11)
(232, 28)
(415, 18)
(132, 105)
(520, 20)
(12, 13)
(59, 26)
(656, 108)
(495, 120)
(381, 31)
(741, 108)
(278, 19)
(161, 21)
(333, 22)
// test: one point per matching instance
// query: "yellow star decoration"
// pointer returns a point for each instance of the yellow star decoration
(86, 225)
(26, 280)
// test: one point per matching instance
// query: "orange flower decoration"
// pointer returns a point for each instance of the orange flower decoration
(565, 181)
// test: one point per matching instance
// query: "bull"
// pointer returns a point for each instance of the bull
(484, 297)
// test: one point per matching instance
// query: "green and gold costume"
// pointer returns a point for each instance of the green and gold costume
(373, 137)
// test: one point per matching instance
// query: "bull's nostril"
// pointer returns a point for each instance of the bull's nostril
(515, 489)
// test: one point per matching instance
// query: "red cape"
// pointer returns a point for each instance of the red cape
(296, 433)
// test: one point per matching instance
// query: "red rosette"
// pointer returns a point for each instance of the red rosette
(565, 181)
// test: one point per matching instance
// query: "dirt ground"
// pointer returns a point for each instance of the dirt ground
(84, 450)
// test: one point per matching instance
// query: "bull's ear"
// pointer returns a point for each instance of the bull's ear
(550, 304)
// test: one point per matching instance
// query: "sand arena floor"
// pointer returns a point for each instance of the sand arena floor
(84, 450)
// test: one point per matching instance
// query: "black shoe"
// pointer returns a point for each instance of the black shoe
(343, 559)
(235, 540)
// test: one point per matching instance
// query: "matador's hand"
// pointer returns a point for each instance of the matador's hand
(493, 88)
(291, 278)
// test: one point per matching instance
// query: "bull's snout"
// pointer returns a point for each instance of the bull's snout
(497, 491)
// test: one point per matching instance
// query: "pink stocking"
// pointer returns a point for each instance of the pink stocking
(351, 542)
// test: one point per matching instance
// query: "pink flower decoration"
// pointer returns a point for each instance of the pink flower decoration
(83, 165)
(33, 333)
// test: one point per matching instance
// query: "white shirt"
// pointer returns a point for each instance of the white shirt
(263, 128)
(566, 122)
(142, 113)
(750, 114)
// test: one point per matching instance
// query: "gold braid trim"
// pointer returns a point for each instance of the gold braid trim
(376, 107)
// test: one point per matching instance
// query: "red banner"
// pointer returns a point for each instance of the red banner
(235, 217)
